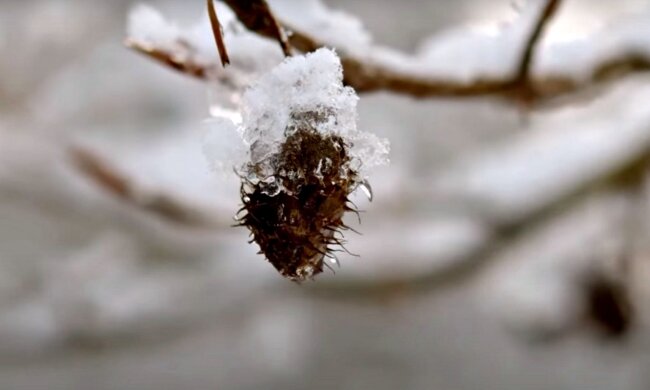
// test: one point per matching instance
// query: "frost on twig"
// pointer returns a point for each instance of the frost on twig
(502, 60)
(496, 63)
(457, 63)
(191, 50)
(303, 157)
(150, 34)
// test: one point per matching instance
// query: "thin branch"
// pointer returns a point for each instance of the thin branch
(180, 59)
(218, 34)
(523, 71)
(160, 205)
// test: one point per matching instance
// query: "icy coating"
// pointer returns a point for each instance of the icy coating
(273, 106)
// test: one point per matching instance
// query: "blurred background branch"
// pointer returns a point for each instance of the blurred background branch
(161, 205)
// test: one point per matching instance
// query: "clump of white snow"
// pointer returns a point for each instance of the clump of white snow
(332, 27)
(579, 58)
(313, 84)
(147, 24)
(467, 53)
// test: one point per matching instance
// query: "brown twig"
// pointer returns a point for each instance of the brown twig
(257, 16)
(180, 59)
(523, 89)
(218, 34)
(523, 71)
(161, 205)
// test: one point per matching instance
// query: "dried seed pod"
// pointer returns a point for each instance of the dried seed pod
(302, 157)
(294, 214)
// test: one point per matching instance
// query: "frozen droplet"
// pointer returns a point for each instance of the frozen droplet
(333, 260)
(252, 178)
(270, 186)
(261, 150)
(355, 164)
(318, 172)
(366, 189)
(271, 190)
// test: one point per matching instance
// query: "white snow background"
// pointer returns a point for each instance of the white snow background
(95, 293)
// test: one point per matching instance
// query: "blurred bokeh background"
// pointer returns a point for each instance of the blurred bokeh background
(501, 251)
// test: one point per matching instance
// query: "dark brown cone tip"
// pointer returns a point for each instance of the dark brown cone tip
(295, 227)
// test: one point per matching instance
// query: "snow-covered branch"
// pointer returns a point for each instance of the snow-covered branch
(512, 62)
